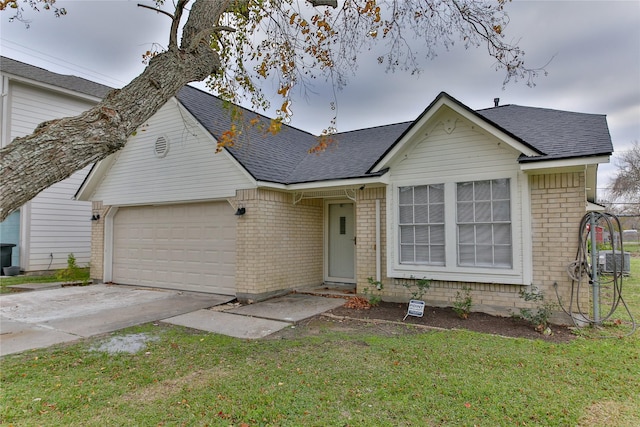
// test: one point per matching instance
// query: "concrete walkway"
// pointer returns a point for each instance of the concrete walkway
(30, 320)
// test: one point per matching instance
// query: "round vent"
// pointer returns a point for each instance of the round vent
(162, 146)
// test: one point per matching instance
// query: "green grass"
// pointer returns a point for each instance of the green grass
(5, 282)
(445, 378)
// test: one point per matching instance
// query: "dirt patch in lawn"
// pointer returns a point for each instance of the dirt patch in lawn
(387, 318)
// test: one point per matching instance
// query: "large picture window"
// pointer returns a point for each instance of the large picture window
(483, 216)
(421, 224)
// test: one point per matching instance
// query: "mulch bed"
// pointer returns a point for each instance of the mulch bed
(446, 318)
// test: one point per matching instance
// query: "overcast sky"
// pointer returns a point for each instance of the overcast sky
(595, 46)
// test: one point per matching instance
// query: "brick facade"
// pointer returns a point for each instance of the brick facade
(96, 265)
(558, 202)
(366, 236)
(280, 244)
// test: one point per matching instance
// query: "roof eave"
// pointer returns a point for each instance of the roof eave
(380, 178)
(542, 164)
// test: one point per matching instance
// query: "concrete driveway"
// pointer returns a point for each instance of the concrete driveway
(39, 319)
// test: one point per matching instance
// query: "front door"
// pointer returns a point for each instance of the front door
(341, 243)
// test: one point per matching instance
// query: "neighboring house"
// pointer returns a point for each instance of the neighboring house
(52, 225)
(491, 200)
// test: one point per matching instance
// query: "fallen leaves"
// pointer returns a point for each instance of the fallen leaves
(358, 303)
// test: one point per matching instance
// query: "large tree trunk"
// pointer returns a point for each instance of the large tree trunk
(58, 148)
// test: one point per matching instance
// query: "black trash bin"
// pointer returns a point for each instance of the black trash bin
(6, 251)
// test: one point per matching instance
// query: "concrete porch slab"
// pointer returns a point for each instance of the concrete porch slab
(289, 308)
(225, 323)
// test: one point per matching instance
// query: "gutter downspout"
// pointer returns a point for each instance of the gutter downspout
(378, 273)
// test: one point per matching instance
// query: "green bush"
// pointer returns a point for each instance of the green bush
(463, 302)
(73, 274)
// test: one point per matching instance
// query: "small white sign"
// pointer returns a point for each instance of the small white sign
(416, 308)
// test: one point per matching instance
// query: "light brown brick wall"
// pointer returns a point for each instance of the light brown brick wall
(279, 246)
(366, 236)
(558, 202)
(97, 243)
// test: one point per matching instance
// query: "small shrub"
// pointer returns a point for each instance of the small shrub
(463, 302)
(373, 297)
(540, 315)
(421, 287)
(73, 273)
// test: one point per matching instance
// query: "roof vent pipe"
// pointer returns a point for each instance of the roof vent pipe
(496, 102)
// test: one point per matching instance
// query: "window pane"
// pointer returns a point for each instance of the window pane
(484, 255)
(465, 191)
(436, 193)
(465, 212)
(406, 214)
(406, 234)
(502, 234)
(436, 236)
(484, 234)
(436, 213)
(466, 234)
(422, 234)
(437, 254)
(483, 212)
(503, 256)
(421, 214)
(421, 195)
(422, 254)
(406, 195)
(482, 190)
(406, 254)
(502, 210)
(501, 189)
(466, 255)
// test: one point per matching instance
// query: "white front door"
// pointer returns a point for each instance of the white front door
(341, 242)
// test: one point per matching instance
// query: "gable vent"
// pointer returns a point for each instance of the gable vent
(162, 146)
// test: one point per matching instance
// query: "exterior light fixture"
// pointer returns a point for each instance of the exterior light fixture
(241, 211)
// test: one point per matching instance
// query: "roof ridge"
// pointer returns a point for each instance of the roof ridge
(264, 116)
(538, 108)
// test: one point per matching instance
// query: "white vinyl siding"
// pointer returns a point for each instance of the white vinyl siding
(53, 223)
(467, 154)
(191, 247)
(190, 170)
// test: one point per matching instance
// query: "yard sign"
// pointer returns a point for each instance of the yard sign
(416, 308)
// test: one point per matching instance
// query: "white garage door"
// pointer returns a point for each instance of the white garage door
(190, 247)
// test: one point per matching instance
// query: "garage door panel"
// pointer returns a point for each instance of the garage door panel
(189, 247)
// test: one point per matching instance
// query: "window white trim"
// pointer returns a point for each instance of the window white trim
(520, 273)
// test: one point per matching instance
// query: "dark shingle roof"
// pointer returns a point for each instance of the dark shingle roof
(350, 155)
(284, 157)
(266, 156)
(77, 84)
(557, 134)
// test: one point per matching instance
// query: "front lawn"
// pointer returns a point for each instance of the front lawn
(365, 376)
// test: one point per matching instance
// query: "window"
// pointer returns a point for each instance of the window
(421, 223)
(483, 217)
